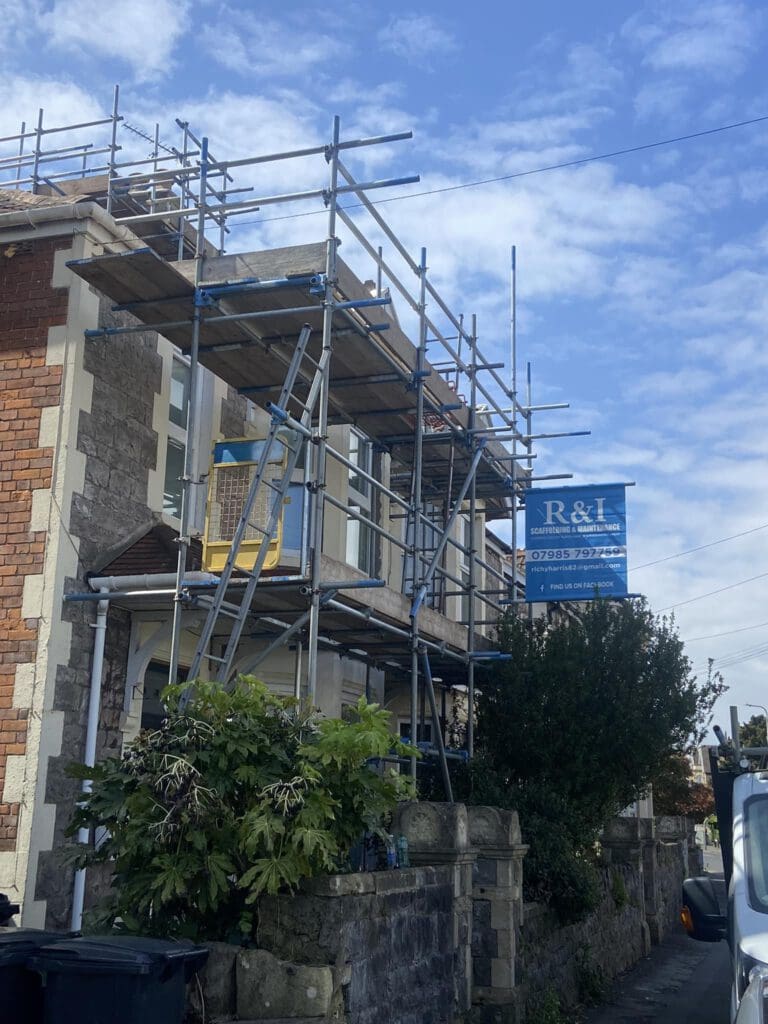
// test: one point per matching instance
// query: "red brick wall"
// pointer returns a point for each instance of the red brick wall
(28, 307)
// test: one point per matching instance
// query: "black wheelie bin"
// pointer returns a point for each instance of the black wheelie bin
(116, 979)
(21, 995)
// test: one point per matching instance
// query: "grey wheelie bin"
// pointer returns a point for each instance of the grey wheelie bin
(116, 979)
(21, 995)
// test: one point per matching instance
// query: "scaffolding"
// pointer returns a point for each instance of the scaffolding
(298, 333)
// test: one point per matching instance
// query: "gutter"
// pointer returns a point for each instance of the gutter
(37, 216)
(149, 581)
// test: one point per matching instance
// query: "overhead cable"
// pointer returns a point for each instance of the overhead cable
(563, 165)
(712, 593)
(730, 632)
(701, 547)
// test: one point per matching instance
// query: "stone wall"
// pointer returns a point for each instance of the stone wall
(449, 939)
(393, 930)
(366, 948)
(116, 438)
(577, 960)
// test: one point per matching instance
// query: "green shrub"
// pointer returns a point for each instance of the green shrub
(619, 891)
(590, 980)
(559, 868)
(546, 1010)
(237, 794)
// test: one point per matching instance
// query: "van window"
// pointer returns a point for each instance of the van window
(756, 836)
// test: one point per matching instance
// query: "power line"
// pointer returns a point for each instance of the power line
(579, 162)
(712, 593)
(701, 547)
(737, 657)
(730, 632)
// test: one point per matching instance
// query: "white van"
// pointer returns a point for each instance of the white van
(745, 925)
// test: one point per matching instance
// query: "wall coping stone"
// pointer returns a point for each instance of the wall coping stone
(358, 883)
(493, 828)
(435, 831)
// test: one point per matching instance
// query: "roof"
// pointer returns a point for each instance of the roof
(152, 549)
(19, 199)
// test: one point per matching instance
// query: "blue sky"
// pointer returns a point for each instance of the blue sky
(642, 279)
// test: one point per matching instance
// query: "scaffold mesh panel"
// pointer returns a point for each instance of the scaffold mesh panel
(229, 492)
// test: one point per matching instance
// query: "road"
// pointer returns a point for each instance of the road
(681, 982)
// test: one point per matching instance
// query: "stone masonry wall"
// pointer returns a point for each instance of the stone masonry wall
(576, 960)
(28, 308)
(674, 838)
(452, 941)
(119, 443)
(393, 930)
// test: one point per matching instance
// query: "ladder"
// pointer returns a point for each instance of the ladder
(284, 431)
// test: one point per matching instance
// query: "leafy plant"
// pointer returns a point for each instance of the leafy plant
(546, 1010)
(590, 980)
(675, 792)
(573, 726)
(619, 891)
(237, 794)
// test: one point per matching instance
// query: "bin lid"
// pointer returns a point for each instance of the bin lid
(16, 944)
(113, 954)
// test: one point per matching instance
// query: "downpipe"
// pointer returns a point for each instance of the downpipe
(91, 735)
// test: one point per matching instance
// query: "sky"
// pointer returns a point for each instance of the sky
(641, 278)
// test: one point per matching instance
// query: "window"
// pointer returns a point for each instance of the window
(155, 681)
(428, 534)
(463, 563)
(423, 731)
(176, 445)
(360, 548)
(179, 406)
(175, 453)
(756, 835)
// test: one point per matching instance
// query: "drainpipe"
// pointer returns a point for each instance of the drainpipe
(91, 734)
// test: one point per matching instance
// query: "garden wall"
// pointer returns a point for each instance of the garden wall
(449, 939)
(576, 961)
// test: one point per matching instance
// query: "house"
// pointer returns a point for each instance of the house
(144, 387)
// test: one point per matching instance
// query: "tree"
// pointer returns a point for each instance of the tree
(237, 794)
(752, 733)
(577, 722)
(675, 792)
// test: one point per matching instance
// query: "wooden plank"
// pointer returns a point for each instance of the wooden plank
(136, 275)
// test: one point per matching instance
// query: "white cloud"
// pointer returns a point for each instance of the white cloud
(715, 39)
(566, 79)
(17, 23)
(256, 46)
(140, 33)
(662, 99)
(63, 103)
(416, 38)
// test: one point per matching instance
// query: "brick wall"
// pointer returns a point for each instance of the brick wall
(28, 308)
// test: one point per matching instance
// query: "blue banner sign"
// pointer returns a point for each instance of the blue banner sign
(575, 543)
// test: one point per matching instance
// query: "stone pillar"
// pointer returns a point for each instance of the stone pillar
(695, 866)
(632, 841)
(622, 842)
(438, 833)
(674, 831)
(497, 895)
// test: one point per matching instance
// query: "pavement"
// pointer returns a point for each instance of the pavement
(681, 982)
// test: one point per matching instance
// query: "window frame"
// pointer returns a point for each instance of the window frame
(359, 542)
